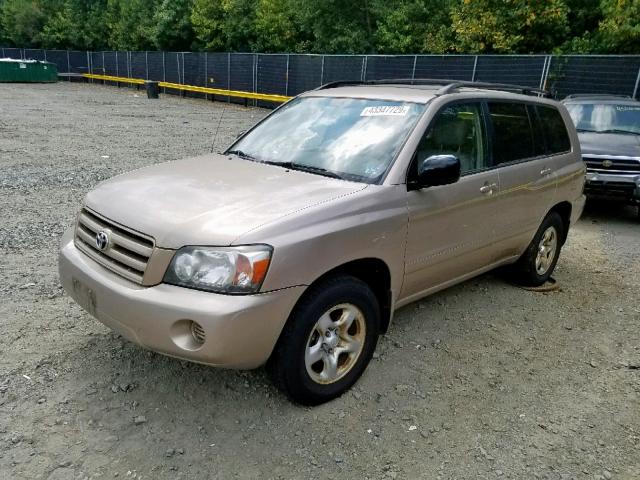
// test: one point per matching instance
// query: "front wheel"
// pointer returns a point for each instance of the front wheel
(328, 341)
(537, 263)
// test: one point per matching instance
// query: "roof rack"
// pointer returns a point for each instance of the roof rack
(448, 86)
(595, 95)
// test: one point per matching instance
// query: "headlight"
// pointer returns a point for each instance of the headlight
(220, 269)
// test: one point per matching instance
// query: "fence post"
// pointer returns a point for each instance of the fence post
(322, 72)
(24, 55)
(104, 70)
(255, 77)
(228, 74)
(544, 69)
(3, 56)
(117, 69)
(183, 80)
(413, 71)
(164, 70)
(146, 65)
(206, 74)
(475, 65)
(286, 85)
(635, 89)
(546, 74)
(68, 64)
(363, 72)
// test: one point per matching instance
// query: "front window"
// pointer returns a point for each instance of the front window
(348, 138)
(606, 117)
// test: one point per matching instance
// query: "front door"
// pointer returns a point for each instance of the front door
(451, 227)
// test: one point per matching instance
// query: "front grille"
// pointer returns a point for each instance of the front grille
(613, 165)
(610, 188)
(126, 253)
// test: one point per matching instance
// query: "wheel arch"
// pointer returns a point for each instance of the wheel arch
(564, 210)
(376, 274)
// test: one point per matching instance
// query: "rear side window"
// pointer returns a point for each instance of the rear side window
(513, 137)
(554, 129)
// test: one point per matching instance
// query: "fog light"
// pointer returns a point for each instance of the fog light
(198, 333)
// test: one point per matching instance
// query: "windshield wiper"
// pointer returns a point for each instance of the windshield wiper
(586, 130)
(241, 154)
(619, 130)
(312, 169)
(304, 168)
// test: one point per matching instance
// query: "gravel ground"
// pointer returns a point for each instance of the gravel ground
(483, 380)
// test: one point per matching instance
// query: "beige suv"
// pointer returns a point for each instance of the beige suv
(294, 247)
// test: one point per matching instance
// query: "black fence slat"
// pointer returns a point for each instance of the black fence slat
(343, 67)
(520, 70)
(587, 74)
(385, 67)
(305, 73)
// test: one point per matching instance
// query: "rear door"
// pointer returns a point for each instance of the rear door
(527, 177)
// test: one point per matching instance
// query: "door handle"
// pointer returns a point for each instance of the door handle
(545, 171)
(487, 189)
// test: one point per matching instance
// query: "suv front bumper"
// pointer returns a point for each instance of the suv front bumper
(625, 186)
(240, 331)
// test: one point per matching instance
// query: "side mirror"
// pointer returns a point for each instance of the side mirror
(437, 170)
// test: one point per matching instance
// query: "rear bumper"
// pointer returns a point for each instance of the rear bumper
(622, 186)
(240, 331)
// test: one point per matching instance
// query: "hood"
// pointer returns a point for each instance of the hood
(209, 200)
(615, 144)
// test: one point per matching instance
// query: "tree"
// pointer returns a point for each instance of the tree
(224, 24)
(619, 30)
(208, 24)
(173, 29)
(413, 26)
(76, 24)
(508, 26)
(22, 21)
(131, 24)
(278, 28)
(338, 26)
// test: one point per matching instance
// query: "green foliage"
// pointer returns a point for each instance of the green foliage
(131, 24)
(172, 29)
(409, 26)
(224, 24)
(338, 26)
(278, 27)
(76, 24)
(22, 21)
(508, 26)
(619, 29)
(326, 26)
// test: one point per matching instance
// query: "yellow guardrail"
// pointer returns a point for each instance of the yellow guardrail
(192, 88)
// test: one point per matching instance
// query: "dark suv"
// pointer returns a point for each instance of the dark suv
(609, 131)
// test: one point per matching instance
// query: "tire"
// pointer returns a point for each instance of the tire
(311, 367)
(527, 271)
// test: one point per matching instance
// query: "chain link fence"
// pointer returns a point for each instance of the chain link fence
(291, 74)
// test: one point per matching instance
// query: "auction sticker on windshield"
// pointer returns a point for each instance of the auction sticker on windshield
(385, 110)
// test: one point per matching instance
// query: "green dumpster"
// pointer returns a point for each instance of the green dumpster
(32, 71)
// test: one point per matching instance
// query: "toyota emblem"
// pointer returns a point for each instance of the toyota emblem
(102, 240)
(607, 163)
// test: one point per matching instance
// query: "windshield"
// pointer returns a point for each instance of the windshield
(348, 138)
(606, 117)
